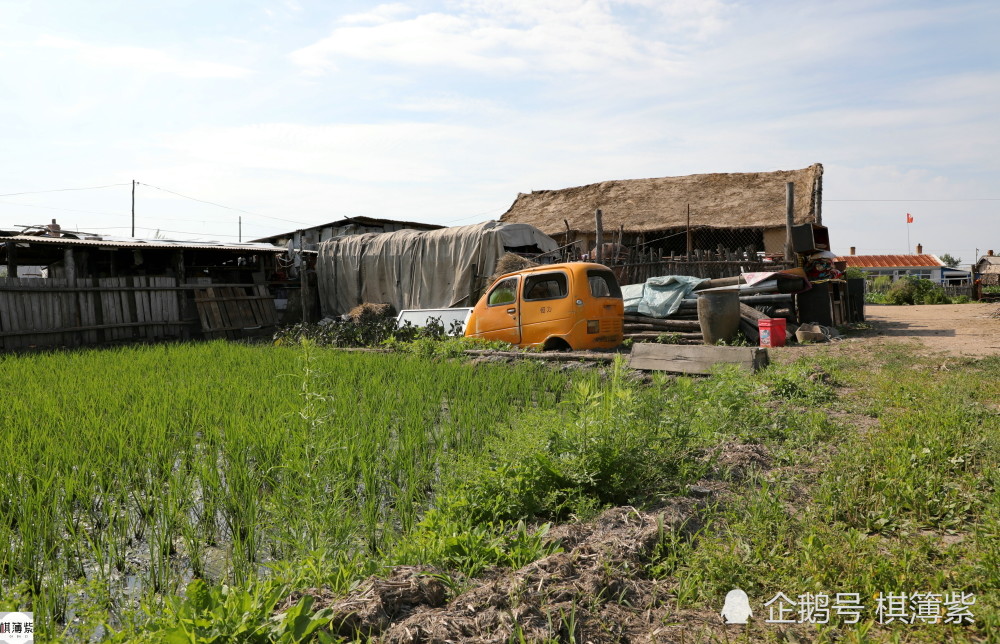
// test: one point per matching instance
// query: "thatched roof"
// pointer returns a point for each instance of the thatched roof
(738, 200)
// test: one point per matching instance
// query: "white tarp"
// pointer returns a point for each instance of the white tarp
(413, 269)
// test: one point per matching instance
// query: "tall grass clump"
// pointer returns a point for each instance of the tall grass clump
(907, 500)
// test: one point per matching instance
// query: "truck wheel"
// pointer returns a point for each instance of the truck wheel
(556, 344)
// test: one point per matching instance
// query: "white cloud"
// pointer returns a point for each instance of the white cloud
(516, 36)
(381, 14)
(151, 61)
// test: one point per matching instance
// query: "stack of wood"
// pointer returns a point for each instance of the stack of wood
(681, 329)
(770, 300)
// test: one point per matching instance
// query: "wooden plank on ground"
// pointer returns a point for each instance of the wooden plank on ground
(693, 358)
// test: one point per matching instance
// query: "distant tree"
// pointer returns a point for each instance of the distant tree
(949, 261)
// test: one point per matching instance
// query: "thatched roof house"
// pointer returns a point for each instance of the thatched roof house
(746, 204)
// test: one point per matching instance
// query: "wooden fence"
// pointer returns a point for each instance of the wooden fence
(54, 312)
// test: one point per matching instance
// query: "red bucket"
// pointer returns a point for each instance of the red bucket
(772, 332)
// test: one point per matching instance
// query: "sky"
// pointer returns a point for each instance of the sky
(291, 113)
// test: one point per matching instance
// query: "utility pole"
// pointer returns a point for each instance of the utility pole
(133, 208)
(599, 227)
(241, 229)
(789, 221)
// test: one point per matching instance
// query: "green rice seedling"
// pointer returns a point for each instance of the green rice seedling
(246, 456)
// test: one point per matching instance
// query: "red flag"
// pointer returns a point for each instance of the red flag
(909, 218)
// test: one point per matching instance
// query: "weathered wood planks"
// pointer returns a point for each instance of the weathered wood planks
(694, 358)
(58, 312)
(229, 311)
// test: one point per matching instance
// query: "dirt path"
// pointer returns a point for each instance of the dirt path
(958, 329)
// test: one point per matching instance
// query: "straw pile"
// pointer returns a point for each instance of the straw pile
(509, 263)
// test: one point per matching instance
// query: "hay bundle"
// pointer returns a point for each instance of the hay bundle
(509, 263)
(370, 311)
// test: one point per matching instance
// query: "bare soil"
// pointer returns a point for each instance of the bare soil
(959, 330)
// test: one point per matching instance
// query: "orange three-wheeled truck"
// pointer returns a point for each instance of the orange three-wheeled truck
(576, 305)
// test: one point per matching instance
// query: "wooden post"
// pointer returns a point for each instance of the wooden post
(600, 236)
(689, 234)
(789, 220)
(179, 266)
(304, 281)
(299, 240)
(11, 259)
(69, 263)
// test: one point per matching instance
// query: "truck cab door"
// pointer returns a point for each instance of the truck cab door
(498, 315)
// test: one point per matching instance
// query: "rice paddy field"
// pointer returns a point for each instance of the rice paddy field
(130, 472)
(190, 493)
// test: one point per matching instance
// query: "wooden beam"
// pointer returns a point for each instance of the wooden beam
(552, 356)
(694, 359)
(95, 327)
(652, 335)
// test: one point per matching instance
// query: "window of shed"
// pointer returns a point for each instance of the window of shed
(548, 286)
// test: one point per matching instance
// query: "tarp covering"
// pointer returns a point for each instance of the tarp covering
(658, 297)
(413, 269)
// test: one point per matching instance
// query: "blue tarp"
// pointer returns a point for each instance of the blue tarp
(658, 297)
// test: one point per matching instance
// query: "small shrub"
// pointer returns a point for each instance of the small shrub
(607, 446)
(911, 290)
(853, 273)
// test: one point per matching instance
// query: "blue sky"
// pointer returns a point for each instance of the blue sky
(304, 112)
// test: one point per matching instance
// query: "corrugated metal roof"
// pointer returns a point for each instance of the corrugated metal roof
(364, 221)
(143, 243)
(890, 261)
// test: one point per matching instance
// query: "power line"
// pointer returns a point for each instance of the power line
(89, 212)
(485, 212)
(162, 230)
(38, 192)
(219, 205)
